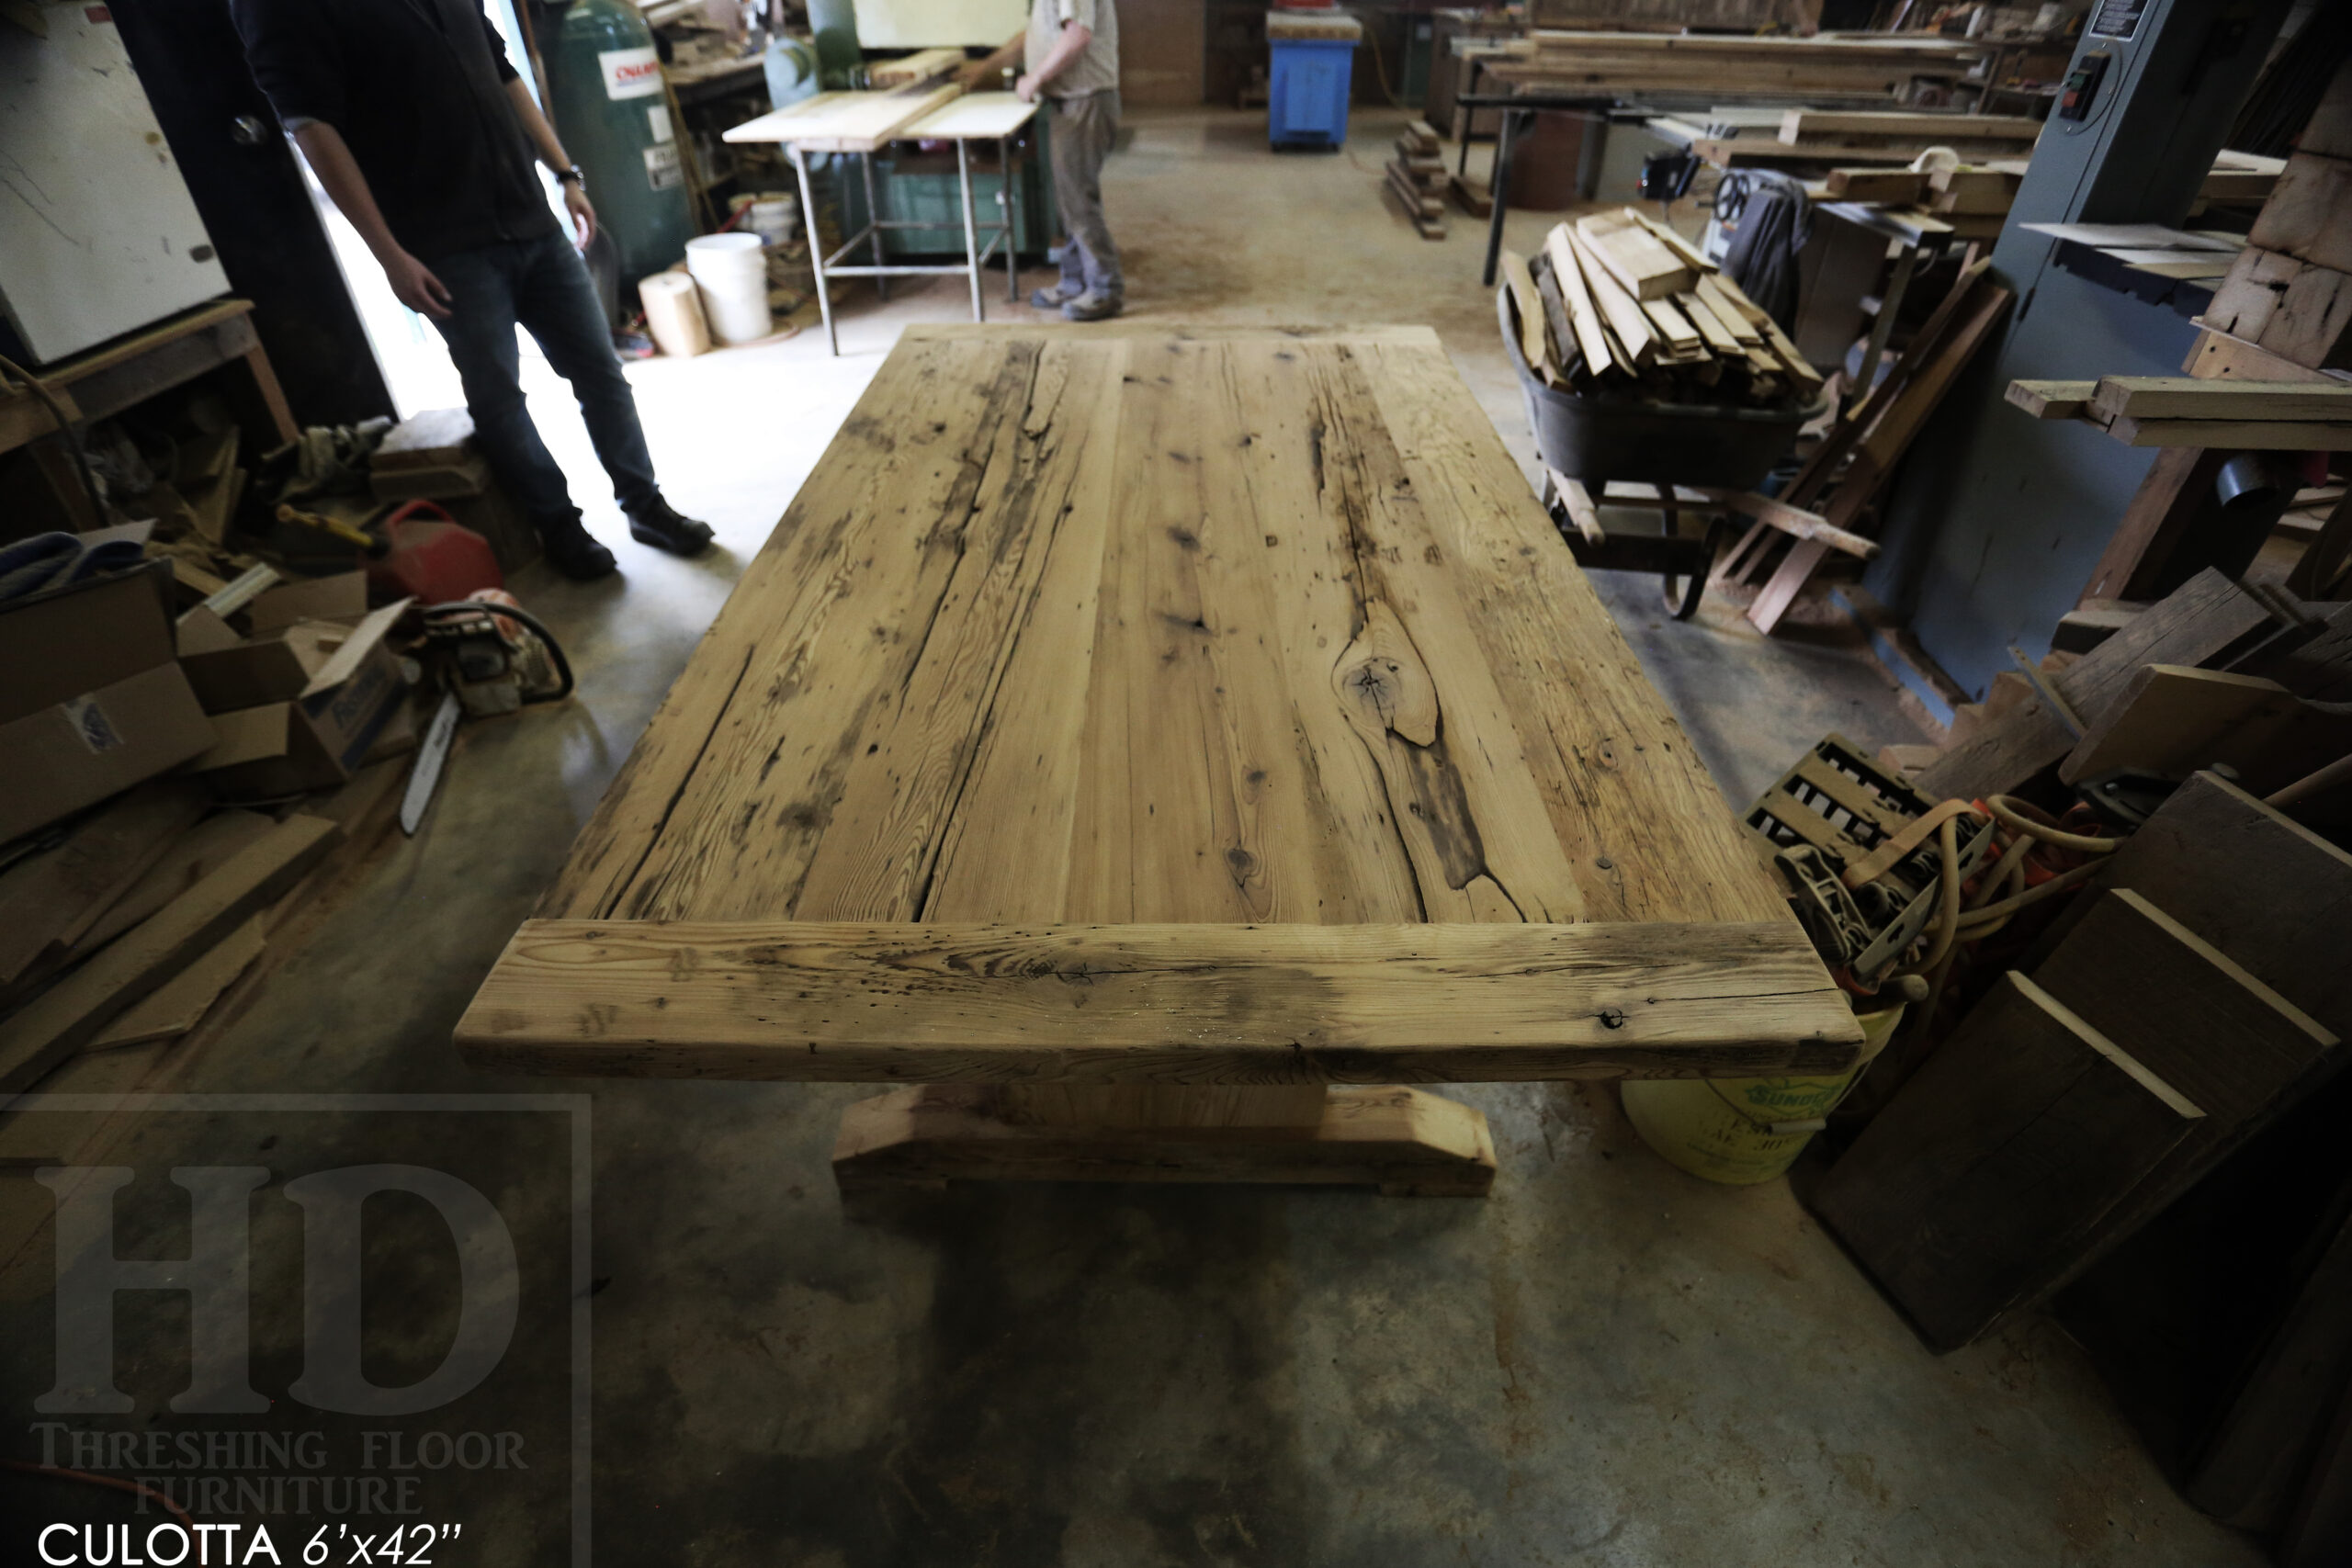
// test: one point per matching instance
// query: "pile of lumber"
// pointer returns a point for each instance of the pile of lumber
(1870, 66)
(1417, 179)
(2216, 672)
(1619, 305)
(1853, 464)
(125, 926)
(2184, 410)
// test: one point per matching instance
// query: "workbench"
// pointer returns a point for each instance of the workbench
(105, 381)
(1146, 748)
(863, 122)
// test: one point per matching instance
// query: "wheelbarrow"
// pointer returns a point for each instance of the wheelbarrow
(1587, 444)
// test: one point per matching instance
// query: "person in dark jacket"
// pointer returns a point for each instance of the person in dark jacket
(420, 129)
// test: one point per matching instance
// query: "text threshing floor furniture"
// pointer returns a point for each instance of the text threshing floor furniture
(1131, 735)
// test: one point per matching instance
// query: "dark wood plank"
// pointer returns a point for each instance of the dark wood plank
(2195, 1018)
(1976, 1186)
(2261, 889)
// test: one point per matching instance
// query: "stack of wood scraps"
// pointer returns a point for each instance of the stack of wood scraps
(1417, 178)
(1618, 305)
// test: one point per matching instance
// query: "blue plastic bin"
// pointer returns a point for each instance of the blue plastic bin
(1306, 93)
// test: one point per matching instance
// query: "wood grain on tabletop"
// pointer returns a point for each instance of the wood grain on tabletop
(1165, 624)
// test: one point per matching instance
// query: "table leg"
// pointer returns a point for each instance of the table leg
(815, 249)
(1504, 135)
(874, 224)
(1897, 285)
(273, 396)
(971, 224)
(1012, 203)
(1406, 1142)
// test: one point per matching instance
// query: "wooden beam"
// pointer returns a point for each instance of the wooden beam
(2053, 400)
(1174, 1004)
(1404, 1141)
(2233, 434)
(1798, 124)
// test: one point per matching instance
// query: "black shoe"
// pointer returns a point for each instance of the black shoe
(663, 527)
(574, 552)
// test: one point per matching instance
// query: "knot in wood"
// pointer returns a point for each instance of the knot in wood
(1613, 1018)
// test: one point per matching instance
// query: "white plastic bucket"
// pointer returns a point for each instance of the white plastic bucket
(732, 272)
(774, 218)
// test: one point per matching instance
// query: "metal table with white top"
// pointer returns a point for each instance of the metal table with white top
(863, 123)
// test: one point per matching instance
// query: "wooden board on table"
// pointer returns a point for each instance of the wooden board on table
(845, 122)
(2189, 266)
(1192, 626)
(72, 1012)
(2197, 1018)
(984, 116)
(1986, 1175)
(908, 70)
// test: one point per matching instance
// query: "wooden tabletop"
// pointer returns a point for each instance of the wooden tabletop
(846, 122)
(1083, 628)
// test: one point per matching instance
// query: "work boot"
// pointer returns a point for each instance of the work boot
(663, 527)
(574, 552)
(1091, 307)
(1053, 299)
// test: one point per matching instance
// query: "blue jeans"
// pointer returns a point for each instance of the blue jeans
(543, 286)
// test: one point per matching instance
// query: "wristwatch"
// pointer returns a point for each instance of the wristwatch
(572, 175)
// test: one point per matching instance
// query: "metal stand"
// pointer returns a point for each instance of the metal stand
(975, 256)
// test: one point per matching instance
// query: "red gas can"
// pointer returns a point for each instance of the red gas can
(433, 558)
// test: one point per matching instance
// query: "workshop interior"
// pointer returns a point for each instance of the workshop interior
(1116, 783)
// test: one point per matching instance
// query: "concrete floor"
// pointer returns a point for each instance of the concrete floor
(1606, 1362)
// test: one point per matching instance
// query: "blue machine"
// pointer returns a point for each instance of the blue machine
(1308, 80)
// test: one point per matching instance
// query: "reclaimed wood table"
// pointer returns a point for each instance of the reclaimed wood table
(1149, 747)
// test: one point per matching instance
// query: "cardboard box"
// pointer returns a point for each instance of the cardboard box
(92, 700)
(342, 597)
(312, 742)
(284, 665)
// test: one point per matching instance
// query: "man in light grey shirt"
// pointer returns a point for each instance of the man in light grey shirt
(1071, 54)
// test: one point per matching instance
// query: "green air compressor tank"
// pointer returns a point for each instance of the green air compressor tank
(613, 117)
